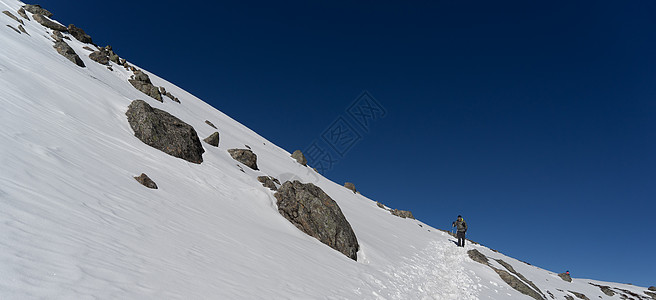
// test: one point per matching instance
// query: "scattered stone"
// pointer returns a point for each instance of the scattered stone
(6, 12)
(142, 83)
(114, 57)
(162, 90)
(244, 156)
(247, 147)
(380, 205)
(87, 48)
(299, 157)
(146, 181)
(565, 276)
(210, 123)
(43, 20)
(122, 61)
(68, 52)
(402, 213)
(551, 295)
(165, 132)
(21, 12)
(12, 27)
(213, 139)
(350, 186)
(79, 34)
(268, 182)
(20, 27)
(312, 211)
(652, 288)
(37, 9)
(477, 256)
(110, 68)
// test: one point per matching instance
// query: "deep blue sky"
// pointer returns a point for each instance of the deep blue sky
(534, 120)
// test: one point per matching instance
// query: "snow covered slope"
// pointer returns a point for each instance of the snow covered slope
(76, 225)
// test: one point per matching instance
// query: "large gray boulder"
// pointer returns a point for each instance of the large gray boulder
(268, 182)
(100, 56)
(244, 156)
(402, 213)
(37, 9)
(43, 20)
(141, 82)
(165, 132)
(299, 157)
(68, 52)
(565, 276)
(312, 211)
(79, 34)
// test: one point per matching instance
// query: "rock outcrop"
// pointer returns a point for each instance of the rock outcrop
(146, 181)
(165, 132)
(43, 20)
(478, 257)
(37, 9)
(299, 157)
(100, 56)
(312, 211)
(350, 186)
(244, 156)
(213, 139)
(565, 276)
(68, 52)
(79, 34)
(141, 82)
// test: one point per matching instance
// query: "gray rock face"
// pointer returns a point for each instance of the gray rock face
(79, 34)
(565, 277)
(68, 52)
(520, 276)
(21, 12)
(315, 213)
(299, 157)
(652, 288)
(165, 132)
(37, 9)
(213, 139)
(146, 181)
(605, 289)
(9, 14)
(244, 156)
(268, 182)
(579, 295)
(49, 23)
(141, 82)
(402, 213)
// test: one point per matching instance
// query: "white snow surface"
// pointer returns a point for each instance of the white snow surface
(75, 224)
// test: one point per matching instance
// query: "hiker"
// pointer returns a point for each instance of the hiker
(567, 272)
(462, 228)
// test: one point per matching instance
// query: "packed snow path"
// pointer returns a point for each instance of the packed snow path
(436, 272)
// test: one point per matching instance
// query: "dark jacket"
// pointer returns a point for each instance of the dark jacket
(461, 224)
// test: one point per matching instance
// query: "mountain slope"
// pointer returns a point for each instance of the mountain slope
(76, 225)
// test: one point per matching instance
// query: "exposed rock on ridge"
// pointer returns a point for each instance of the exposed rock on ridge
(244, 156)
